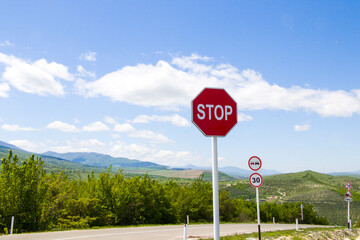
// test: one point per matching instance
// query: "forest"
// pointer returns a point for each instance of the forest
(42, 201)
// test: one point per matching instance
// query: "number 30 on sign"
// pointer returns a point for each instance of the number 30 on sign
(256, 180)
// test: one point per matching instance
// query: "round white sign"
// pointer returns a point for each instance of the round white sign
(254, 163)
(256, 180)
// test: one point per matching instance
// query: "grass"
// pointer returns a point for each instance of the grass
(310, 233)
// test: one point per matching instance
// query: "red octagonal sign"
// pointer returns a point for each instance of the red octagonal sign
(214, 112)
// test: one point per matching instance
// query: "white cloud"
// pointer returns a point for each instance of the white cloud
(26, 145)
(302, 128)
(4, 90)
(15, 128)
(110, 120)
(191, 63)
(117, 149)
(88, 56)
(115, 136)
(132, 151)
(257, 94)
(64, 127)
(75, 145)
(7, 43)
(96, 127)
(242, 117)
(83, 73)
(39, 77)
(54, 69)
(175, 119)
(147, 134)
(159, 156)
(144, 85)
(123, 128)
(176, 84)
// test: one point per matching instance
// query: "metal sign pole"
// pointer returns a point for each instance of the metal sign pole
(215, 188)
(258, 211)
(348, 214)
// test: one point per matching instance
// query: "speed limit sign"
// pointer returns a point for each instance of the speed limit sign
(256, 180)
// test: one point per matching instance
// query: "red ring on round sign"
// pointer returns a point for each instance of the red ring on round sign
(261, 180)
(249, 163)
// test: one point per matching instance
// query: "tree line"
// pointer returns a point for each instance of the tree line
(41, 201)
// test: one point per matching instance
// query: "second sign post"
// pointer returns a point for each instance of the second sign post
(256, 181)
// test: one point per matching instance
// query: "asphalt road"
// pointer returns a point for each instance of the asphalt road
(172, 232)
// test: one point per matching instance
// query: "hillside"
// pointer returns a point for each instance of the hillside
(103, 160)
(52, 163)
(8, 146)
(131, 166)
(323, 191)
(81, 164)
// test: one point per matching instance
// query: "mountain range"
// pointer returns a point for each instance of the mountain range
(103, 160)
(235, 171)
(87, 160)
(90, 161)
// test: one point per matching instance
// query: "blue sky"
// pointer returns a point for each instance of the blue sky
(118, 77)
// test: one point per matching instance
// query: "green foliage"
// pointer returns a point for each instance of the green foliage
(304, 233)
(325, 193)
(22, 190)
(41, 201)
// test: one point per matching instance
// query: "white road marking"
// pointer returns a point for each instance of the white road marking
(115, 234)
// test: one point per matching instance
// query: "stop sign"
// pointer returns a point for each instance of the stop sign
(214, 112)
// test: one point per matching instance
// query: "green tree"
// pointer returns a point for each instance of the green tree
(22, 190)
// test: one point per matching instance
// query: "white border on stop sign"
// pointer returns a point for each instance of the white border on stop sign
(192, 111)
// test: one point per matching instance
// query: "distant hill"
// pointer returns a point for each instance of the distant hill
(324, 192)
(80, 164)
(76, 160)
(241, 173)
(235, 171)
(9, 146)
(136, 166)
(54, 164)
(348, 174)
(103, 160)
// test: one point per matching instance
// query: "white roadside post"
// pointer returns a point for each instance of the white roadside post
(297, 224)
(256, 181)
(12, 225)
(214, 112)
(302, 212)
(185, 231)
